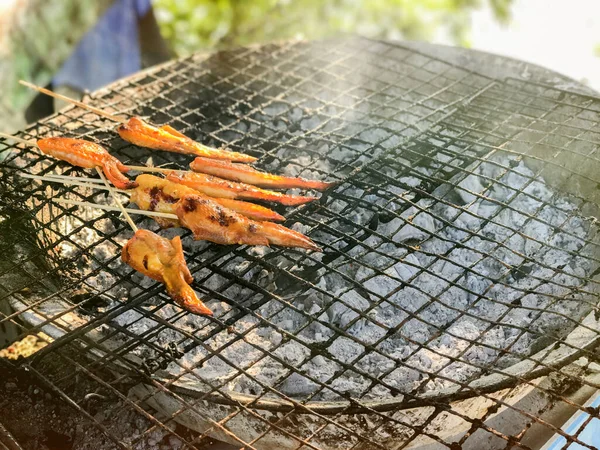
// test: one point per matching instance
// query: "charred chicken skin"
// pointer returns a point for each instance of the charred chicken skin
(169, 139)
(220, 188)
(162, 260)
(88, 155)
(158, 194)
(210, 221)
(248, 174)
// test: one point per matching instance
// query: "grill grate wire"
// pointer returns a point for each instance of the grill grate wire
(312, 106)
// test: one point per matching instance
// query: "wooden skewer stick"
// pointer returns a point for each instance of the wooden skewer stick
(67, 180)
(154, 169)
(73, 177)
(64, 177)
(73, 101)
(117, 201)
(18, 139)
(114, 208)
(93, 184)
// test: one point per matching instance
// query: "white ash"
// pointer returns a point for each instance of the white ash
(398, 301)
(421, 292)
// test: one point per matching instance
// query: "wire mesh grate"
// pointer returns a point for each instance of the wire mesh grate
(455, 302)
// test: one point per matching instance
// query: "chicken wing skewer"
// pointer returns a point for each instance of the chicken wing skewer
(84, 154)
(166, 138)
(216, 223)
(248, 174)
(141, 133)
(87, 154)
(159, 194)
(220, 188)
(210, 221)
(177, 205)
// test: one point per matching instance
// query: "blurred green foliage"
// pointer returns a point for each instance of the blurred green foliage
(36, 37)
(190, 25)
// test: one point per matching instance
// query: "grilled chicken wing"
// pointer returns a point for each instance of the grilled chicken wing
(220, 188)
(150, 196)
(162, 260)
(87, 154)
(248, 174)
(159, 194)
(210, 221)
(167, 138)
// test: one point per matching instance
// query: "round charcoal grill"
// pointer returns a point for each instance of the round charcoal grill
(459, 267)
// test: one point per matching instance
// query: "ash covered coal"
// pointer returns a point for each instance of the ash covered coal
(441, 287)
(434, 288)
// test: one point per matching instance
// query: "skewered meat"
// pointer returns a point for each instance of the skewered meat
(167, 138)
(220, 188)
(210, 221)
(158, 194)
(163, 261)
(248, 174)
(87, 154)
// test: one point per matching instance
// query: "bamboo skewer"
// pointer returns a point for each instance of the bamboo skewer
(154, 169)
(73, 101)
(140, 212)
(92, 184)
(68, 177)
(18, 139)
(95, 185)
(117, 201)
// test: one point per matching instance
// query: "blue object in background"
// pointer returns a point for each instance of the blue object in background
(589, 435)
(109, 51)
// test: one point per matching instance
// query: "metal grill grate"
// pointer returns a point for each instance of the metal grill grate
(455, 302)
